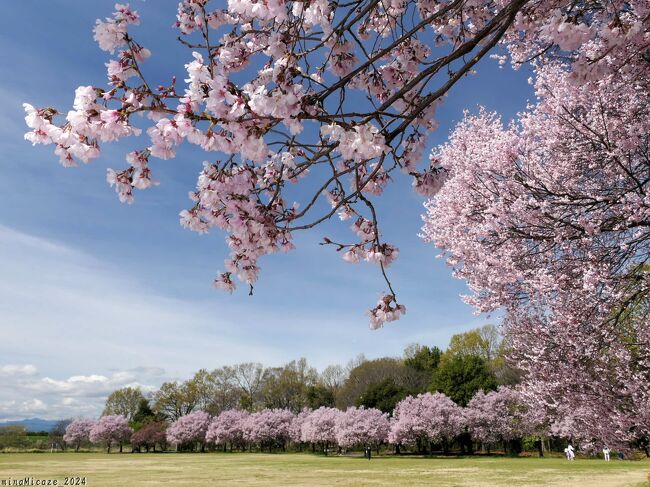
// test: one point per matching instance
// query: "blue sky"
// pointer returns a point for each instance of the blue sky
(95, 294)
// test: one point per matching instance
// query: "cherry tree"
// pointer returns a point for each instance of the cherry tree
(547, 218)
(111, 429)
(499, 416)
(426, 418)
(228, 427)
(320, 427)
(150, 435)
(577, 424)
(189, 429)
(295, 434)
(78, 431)
(340, 97)
(269, 427)
(361, 426)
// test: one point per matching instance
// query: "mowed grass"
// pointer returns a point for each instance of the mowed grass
(255, 469)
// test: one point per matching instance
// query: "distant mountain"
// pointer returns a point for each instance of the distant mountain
(32, 424)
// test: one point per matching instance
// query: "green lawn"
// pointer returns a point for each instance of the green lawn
(223, 469)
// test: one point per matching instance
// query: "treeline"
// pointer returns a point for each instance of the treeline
(422, 424)
(473, 361)
(249, 406)
(15, 437)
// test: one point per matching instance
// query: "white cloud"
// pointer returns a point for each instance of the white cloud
(78, 395)
(14, 409)
(18, 370)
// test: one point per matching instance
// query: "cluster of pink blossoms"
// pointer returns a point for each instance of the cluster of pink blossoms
(491, 418)
(189, 429)
(350, 90)
(109, 430)
(257, 127)
(547, 219)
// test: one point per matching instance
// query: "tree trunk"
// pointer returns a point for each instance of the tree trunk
(109, 448)
(120, 447)
(540, 447)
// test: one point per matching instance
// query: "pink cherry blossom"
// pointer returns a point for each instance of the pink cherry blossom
(189, 429)
(228, 427)
(269, 123)
(109, 430)
(361, 426)
(427, 417)
(78, 431)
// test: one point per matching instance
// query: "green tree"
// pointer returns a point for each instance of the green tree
(462, 376)
(287, 386)
(483, 342)
(319, 395)
(383, 395)
(175, 399)
(124, 402)
(369, 372)
(486, 343)
(144, 415)
(13, 437)
(421, 357)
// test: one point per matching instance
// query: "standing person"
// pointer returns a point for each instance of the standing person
(606, 451)
(568, 455)
(369, 452)
(572, 455)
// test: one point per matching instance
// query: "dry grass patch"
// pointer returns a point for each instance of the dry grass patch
(222, 469)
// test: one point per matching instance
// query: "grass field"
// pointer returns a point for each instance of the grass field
(102, 470)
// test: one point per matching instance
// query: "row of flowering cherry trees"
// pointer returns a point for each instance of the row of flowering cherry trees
(420, 421)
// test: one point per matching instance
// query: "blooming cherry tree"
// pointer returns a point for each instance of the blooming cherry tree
(361, 426)
(340, 97)
(190, 429)
(109, 430)
(78, 431)
(426, 418)
(498, 416)
(150, 435)
(270, 427)
(548, 219)
(320, 427)
(296, 425)
(228, 427)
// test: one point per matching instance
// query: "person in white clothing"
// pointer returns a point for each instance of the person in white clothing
(606, 451)
(571, 453)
